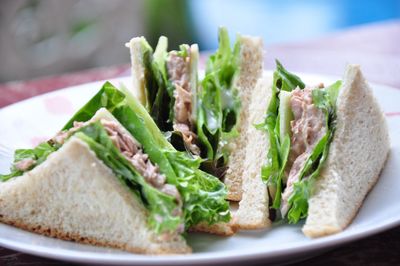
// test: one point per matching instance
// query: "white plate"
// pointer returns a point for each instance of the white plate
(28, 122)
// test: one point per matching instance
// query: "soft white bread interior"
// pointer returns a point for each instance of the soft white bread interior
(103, 113)
(74, 196)
(251, 69)
(356, 157)
(253, 212)
(136, 47)
(221, 229)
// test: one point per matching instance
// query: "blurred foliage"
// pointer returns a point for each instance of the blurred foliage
(169, 18)
(80, 26)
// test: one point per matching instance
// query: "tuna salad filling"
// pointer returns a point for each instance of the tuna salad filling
(307, 128)
(133, 152)
(179, 74)
(25, 164)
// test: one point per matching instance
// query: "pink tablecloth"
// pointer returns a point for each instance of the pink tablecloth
(15, 91)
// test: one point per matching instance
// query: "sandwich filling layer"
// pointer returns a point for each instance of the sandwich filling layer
(307, 128)
(132, 151)
(179, 74)
(199, 118)
(300, 123)
(219, 105)
(25, 164)
(170, 86)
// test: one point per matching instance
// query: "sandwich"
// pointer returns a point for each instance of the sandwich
(314, 152)
(110, 178)
(207, 117)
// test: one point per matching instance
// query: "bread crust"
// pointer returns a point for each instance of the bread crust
(357, 156)
(74, 196)
(330, 230)
(221, 229)
(253, 212)
(266, 223)
(251, 69)
(75, 237)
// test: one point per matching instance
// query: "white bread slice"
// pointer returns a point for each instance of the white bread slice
(253, 212)
(136, 48)
(251, 69)
(74, 196)
(221, 229)
(356, 157)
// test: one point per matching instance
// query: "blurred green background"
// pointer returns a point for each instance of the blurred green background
(46, 37)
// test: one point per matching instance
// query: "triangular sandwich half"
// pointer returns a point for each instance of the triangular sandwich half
(318, 149)
(60, 189)
(74, 195)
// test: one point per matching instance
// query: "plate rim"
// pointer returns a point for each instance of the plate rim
(198, 258)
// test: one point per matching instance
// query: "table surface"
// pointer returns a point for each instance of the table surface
(376, 47)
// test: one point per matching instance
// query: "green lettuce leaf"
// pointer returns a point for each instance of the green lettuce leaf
(273, 172)
(160, 205)
(136, 126)
(303, 189)
(285, 80)
(203, 194)
(151, 126)
(158, 65)
(218, 102)
(329, 95)
(162, 106)
(108, 97)
(38, 154)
